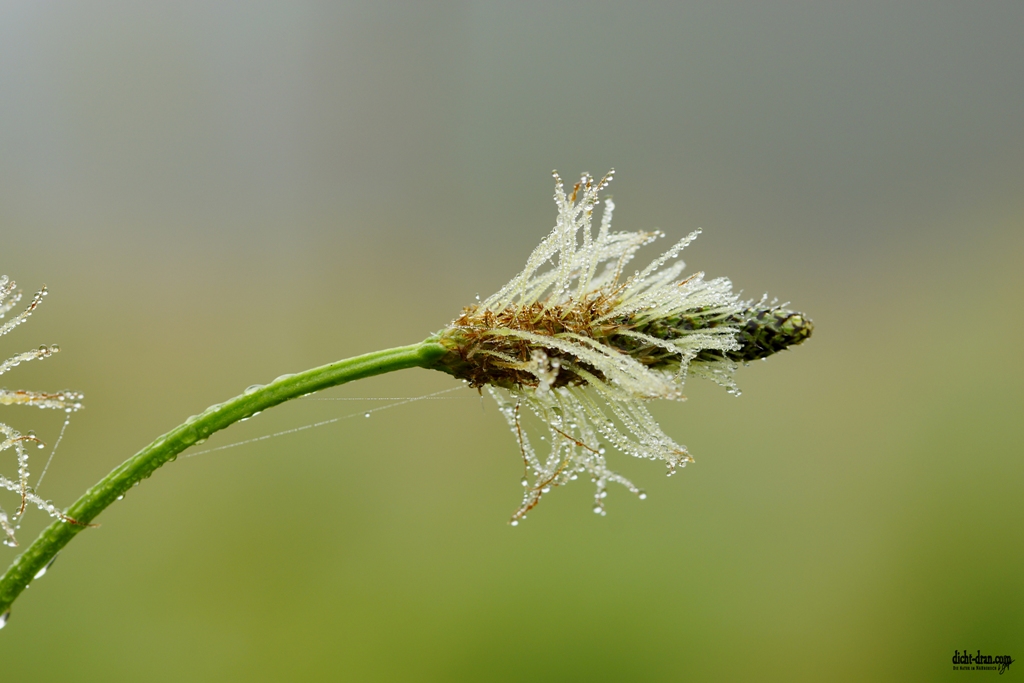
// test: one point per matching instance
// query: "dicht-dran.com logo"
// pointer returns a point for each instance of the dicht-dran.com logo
(980, 662)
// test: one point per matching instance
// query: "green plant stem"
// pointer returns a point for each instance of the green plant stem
(197, 428)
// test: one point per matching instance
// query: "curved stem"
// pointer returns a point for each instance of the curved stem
(198, 428)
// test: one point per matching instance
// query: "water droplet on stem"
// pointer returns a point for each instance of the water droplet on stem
(42, 572)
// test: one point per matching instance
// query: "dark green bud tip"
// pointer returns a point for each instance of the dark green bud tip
(766, 330)
(761, 330)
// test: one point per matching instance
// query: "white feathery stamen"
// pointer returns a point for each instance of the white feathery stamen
(652, 293)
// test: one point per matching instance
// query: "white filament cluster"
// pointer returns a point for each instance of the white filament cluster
(10, 438)
(574, 266)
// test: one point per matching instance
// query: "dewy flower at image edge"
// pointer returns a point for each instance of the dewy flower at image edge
(584, 345)
(68, 401)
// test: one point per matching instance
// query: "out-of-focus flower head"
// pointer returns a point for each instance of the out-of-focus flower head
(10, 438)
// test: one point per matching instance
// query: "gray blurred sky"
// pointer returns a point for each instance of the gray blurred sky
(829, 124)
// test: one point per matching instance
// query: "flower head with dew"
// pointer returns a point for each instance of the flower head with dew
(583, 343)
(10, 438)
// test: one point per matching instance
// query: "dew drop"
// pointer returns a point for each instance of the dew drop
(598, 509)
(253, 388)
(121, 497)
(546, 489)
(42, 572)
(366, 415)
(4, 618)
(642, 495)
(524, 481)
(514, 522)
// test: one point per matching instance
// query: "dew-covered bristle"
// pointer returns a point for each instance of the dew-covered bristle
(11, 439)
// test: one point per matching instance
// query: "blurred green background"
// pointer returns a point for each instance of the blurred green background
(218, 193)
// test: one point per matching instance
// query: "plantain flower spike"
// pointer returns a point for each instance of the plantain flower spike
(10, 438)
(583, 344)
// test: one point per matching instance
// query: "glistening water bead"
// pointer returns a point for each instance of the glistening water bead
(42, 572)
